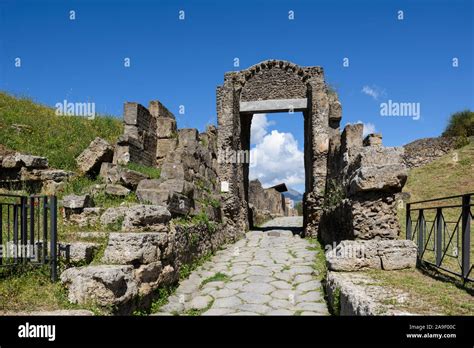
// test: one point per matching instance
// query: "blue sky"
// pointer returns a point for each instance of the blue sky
(182, 62)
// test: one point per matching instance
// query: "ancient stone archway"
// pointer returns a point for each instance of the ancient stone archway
(275, 86)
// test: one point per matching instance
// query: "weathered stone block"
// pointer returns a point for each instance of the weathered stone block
(106, 285)
(145, 216)
(90, 160)
(77, 202)
(131, 178)
(114, 174)
(188, 137)
(170, 170)
(36, 162)
(378, 156)
(353, 256)
(351, 137)
(391, 178)
(88, 217)
(18, 160)
(165, 127)
(121, 154)
(373, 254)
(113, 215)
(148, 191)
(374, 139)
(157, 109)
(397, 254)
(179, 204)
(134, 248)
(362, 295)
(165, 146)
(82, 251)
(12, 161)
(116, 190)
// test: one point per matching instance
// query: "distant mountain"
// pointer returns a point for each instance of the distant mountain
(294, 195)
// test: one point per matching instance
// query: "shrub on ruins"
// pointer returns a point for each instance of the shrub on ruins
(460, 124)
(333, 195)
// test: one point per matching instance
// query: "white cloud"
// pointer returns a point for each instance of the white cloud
(259, 128)
(374, 91)
(276, 158)
(369, 128)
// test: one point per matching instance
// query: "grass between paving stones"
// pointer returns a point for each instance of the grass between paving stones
(218, 277)
(426, 295)
(197, 312)
(162, 294)
(319, 264)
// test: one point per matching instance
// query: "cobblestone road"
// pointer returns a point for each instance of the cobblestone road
(270, 272)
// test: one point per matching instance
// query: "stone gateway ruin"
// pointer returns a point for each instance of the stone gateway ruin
(350, 182)
(268, 87)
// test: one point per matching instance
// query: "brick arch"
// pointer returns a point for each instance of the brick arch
(275, 86)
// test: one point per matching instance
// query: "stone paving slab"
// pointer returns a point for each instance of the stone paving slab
(269, 272)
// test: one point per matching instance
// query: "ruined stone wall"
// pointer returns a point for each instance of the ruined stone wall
(31, 173)
(423, 151)
(363, 179)
(265, 204)
(178, 221)
(138, 143)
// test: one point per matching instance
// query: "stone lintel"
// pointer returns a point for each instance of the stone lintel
(274, 105)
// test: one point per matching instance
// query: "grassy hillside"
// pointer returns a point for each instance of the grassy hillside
(443, 177)
(450, 175)
(32, 128)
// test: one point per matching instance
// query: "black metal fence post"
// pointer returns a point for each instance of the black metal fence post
(44, 244)
(32, 221)
(23, 229)
(466, 235)
(408, 221)
(439, 236)
(15, 232)
(53, 236)
(421, 232)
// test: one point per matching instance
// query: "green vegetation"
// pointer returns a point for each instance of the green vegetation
(426, 295)
(461, 124)
(161, 298)
(199, 219)
(333, 194)
(162, 294)
(197, 312)
(447, 176)
(319, 264)
(80, 185)
(29, 127)
(336, 302)
(27, 288)
(151, 172)
(218, 277)
(186, 270)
